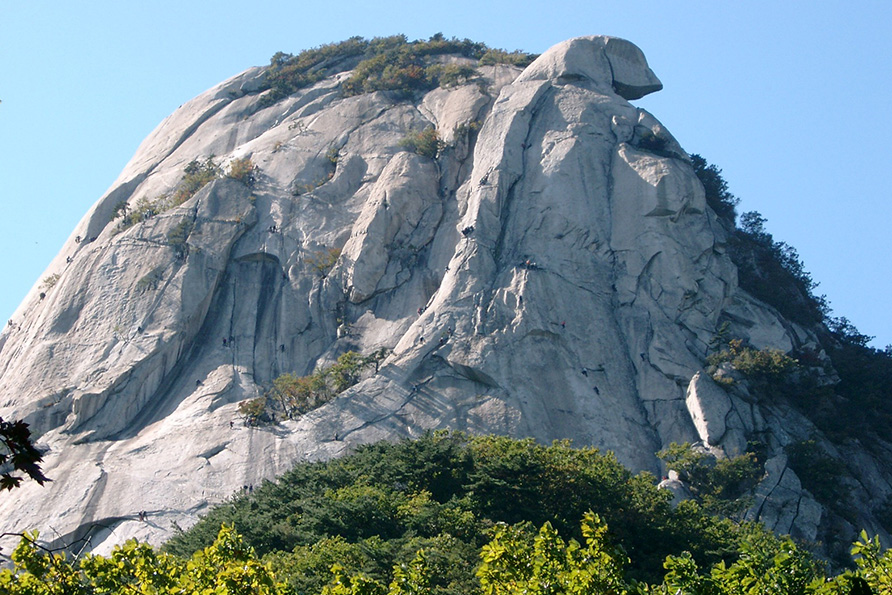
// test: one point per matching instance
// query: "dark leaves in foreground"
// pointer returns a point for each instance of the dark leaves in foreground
(18, 455)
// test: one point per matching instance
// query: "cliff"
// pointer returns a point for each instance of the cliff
(549, 269)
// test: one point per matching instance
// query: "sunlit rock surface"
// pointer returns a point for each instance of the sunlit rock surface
(546, 276)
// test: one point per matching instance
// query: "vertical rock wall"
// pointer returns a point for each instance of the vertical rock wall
(554, 272)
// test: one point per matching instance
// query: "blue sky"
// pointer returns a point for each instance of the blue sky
(791, 100)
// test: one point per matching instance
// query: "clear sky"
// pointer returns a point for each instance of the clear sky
(791, 100)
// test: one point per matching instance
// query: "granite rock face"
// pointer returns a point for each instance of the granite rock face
(547, 275)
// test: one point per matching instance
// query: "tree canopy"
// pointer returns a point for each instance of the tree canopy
(449, 514)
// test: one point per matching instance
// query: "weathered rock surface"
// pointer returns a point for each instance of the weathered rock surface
(546, 276)
(673, 483)
(783, 505)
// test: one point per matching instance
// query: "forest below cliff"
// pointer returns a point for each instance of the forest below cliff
(451, 514)
(448, 513)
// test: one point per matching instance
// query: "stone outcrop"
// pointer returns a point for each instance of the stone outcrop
(549, 274)
(674, 484)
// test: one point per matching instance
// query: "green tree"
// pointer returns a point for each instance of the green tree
(721, 486)
(514, 564)
(345, 373)
(38, 571)
(196, 175)
(822, 475)
(718, 196)
(253, 410)
(356, 584)
(243, 170)
(132, 567)
(413, 578)
(296, 395)
(442, 492)
(874, 564)
(229, 566)
(765, 565)
(425, 142)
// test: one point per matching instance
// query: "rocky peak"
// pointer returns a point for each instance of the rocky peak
(604, 62)
(544, 265)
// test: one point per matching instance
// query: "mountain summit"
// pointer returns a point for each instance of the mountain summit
(436, 236)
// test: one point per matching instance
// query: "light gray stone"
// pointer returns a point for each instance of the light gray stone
(546, 276)
(714, 415)
(674, 484)
(782, 505)
(610, 62)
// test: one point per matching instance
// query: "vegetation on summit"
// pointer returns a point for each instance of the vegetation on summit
(384, 64)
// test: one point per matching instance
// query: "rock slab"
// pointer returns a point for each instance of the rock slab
(546, 275)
